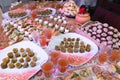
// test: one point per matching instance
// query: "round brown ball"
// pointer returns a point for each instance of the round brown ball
(22, 49)
(57, 47)
(14, 60)
(21, 60)
(15, 50)
(27, 59)
(31, 53)
(24, 54)
(28, 50)
(25, 65)
(11, 65)
(34, 58)
(10, 55)
(6, 60)
(3, 65)
(18, 65)
(88, 48)
(33, 64)
(17, 54)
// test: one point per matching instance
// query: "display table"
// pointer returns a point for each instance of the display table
(28, 31)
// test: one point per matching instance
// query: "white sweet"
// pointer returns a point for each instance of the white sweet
(105, 29)
(59, 20)
(90, 30)
(21, 30)
(63, 18)
(99, 31)
(66, 30)
(115, 30)
(98, 35)
(45, 22)
(114, 40)
(30, 37)
(89, 34)
(105, 25)
(56, 26)
(64, 22)
(94, 28)
(40, 21)
(55, 19)
(50, 24)
(118, 63)
(94, 37)
(98, 40)
(103, 39)
(11, 23)
(19, 27)
(104, 34)
(20, 22)
(99, 26)
(58, 17)
(15, 25)
(26, 33)
(36, 19)
(51, 17)
(62, 28)
(93, 32)
(109, 38)
(110, 27)
(110, 32)
(115, 35)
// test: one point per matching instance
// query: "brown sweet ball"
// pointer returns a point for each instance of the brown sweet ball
(17, 54)
(77, 42)
(82, 49)
(28, 49)
(3, 65)
(21, 60)
(24, 54)
(71, 45)
(63, 49)
(11, 65)
(25, 65)
(62, 42)
(6, 60)
(31, 53)
(27, 59)
(34, 58)
(76, 46)
(33, 64)
(10, 55)
(57, 47)
(66, 45)
(69, 39)
(88, 48)
(76, 50)
(18, 65)
(73, 39)
(15, 50)
(64, 39)
(70, 50)
(81, 43)
(22, 49)
(14, 60)
(78, 39)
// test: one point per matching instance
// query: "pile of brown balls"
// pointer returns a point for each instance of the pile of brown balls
(19, 58)
(73, 45)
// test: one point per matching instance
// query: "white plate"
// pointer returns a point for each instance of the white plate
(53, 11)
(39, 52)
(86, 56)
